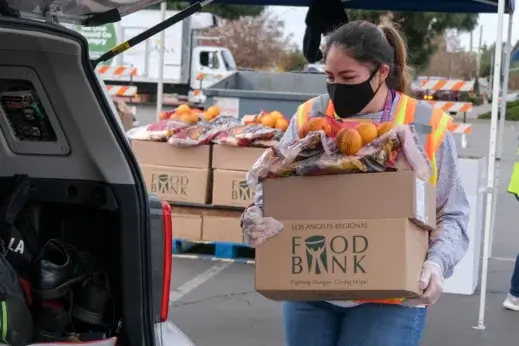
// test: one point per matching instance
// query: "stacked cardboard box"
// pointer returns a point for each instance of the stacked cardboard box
(204, 176)
(173, 173)
(230, 189)
(230, 165)
(196, 224)
(180, 175)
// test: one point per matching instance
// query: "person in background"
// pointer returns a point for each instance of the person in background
(512, 299)
(367, 77)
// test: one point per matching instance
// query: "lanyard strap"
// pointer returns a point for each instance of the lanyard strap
(386, 113)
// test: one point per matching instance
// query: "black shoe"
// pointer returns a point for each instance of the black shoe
(50, 320)
(91, 298)
(56, 269)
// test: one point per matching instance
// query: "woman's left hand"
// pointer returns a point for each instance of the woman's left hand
(431, 281)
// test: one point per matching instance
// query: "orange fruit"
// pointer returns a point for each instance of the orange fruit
(276, 115)
(384, 128)
(183, 109)
(368, 132)
(175, 116)
(282, 124)
(349, 141)
(208, 116)
(213, 111)
(196, 114)
(189, 118)
(164, 115)
(315, 124)
(268, 121)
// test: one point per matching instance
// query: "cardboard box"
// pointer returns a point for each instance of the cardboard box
(187, 223)
(386, 195)
(222, 228)
(177, 184)
(235, 158)
(125, 114)
(230, 189)
(163, 154)
(349, 236)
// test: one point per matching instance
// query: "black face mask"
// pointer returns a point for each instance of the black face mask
(349, 99)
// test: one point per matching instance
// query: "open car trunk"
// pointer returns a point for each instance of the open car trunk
(82, 12)
(75, 220)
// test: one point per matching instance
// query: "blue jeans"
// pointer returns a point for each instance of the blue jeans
(324, 324)
(514, 287)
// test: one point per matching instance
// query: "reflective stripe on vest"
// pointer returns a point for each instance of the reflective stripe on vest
(513, 186)
(407, 111)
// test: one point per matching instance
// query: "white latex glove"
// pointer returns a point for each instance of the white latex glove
(258, 229)
(431, 281)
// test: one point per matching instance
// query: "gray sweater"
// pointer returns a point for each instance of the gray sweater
(449, 243)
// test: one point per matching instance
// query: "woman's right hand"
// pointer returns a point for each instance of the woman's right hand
(258, 229)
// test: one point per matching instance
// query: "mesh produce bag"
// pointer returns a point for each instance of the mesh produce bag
(201, 133)
(158, 131)
(249, 135)
(317, 153)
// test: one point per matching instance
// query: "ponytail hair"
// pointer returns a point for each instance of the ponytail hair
(401, 74)
(375, 45)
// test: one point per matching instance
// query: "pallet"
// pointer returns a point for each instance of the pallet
(223, 251)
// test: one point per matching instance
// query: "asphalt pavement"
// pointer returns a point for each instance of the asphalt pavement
(214, 303)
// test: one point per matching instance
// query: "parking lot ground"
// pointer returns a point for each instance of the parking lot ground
(224, 310)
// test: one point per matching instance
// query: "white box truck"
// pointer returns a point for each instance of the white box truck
(187, 67)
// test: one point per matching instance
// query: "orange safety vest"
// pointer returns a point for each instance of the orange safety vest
(407, 111)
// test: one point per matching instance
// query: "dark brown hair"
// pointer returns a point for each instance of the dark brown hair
(375, 45)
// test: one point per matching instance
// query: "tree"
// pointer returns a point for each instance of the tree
(486, 60)
(255, 42)
(292, 60)
(451, 61)
(224, 11)
(421, 28)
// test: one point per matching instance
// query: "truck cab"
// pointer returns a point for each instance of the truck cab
(210, 65)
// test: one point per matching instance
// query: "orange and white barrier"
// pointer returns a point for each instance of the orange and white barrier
(463, 129)
(451, 106)
(116, 71)
(121, 90)
(460, 128)
(446, 85)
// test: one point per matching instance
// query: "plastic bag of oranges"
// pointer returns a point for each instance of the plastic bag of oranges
(159, 131)
(203, 132)
(193, 135)
(248, 135)
(318, 153)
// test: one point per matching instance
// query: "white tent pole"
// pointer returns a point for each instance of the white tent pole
(501, 128)
(160, 83)
(491, 162)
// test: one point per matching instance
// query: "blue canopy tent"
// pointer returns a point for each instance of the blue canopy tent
(453, 6)
(461, 6)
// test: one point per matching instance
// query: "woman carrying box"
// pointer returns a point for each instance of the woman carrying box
(368, 77)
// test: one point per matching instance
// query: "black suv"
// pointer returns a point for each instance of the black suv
(59, 128)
